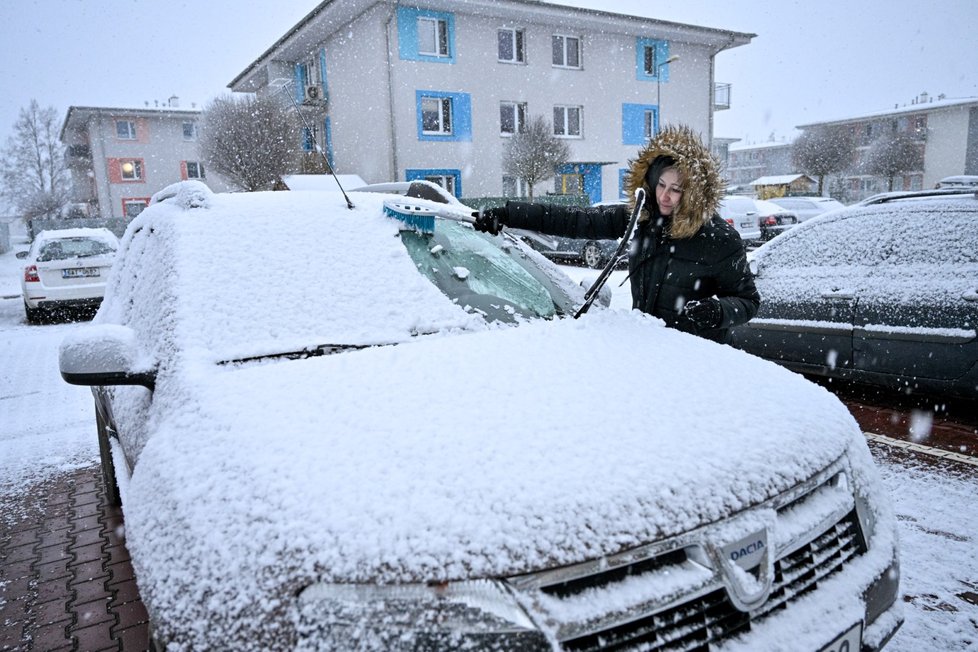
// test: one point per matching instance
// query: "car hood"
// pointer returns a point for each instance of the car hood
(449, 457)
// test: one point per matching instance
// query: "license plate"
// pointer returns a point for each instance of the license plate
(746, 225)
(79, 272)
(850, 641)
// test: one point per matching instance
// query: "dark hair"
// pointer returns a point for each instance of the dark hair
(655, 170)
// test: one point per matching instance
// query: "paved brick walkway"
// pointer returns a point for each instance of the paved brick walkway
(66, 582)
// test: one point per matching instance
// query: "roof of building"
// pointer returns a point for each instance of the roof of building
(331, 15)
(780, 179)
(919, 107)
(77, 114)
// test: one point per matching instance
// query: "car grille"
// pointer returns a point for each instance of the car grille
(700, 614)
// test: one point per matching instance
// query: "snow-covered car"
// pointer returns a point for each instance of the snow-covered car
(806, 208)
(387, 446)
(883, 292)
(66, 269)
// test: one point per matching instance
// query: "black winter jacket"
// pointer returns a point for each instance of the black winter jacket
(665, 273)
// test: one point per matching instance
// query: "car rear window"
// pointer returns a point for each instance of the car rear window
(64, 248)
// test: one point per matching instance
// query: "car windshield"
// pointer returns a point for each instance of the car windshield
(63, 248)
(501, 283)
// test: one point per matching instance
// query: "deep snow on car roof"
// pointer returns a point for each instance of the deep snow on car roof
(256, 273)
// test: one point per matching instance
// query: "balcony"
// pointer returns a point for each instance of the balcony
(721, 97)
(78, 156)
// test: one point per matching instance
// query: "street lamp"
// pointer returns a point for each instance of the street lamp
(658, 83)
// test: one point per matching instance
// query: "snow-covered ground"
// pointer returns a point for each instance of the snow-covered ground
(47, 427)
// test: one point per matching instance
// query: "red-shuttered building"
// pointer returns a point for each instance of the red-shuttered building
(120, 157)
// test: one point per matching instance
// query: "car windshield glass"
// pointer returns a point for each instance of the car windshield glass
(499, 282)
(73, 248)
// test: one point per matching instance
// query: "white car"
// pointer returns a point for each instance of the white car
(741, 213)
(383, 432)
(66, 269)
(806, 208)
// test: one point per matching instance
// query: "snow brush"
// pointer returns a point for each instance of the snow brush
(420, 215)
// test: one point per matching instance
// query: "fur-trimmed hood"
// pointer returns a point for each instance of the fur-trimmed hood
(703, 187)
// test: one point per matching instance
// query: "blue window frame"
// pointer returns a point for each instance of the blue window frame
(448, 178)
(308, 139)
(639, 122)
(328, 130)
(425, 35)
(444, 116)
(649, 53)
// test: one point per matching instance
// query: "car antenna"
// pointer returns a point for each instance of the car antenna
(283, 84)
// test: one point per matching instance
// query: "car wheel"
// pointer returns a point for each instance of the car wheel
(592, 255)
(112, 496)
(34, 315)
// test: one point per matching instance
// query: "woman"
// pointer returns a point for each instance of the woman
(686, 265)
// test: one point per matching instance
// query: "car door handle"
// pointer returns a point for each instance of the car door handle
(837, 293)
(971, 295)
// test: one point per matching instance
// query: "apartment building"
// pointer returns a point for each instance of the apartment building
(747, 162)
(435, 89)
(120, 157)
(945, 128)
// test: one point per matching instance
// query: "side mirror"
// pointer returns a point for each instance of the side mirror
(103, 355)
(754, 266)
(21, 254)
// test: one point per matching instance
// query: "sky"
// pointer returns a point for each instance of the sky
(810, 61)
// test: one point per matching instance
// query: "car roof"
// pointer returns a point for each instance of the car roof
(885, 197)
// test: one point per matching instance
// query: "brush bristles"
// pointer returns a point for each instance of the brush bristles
(419, 221)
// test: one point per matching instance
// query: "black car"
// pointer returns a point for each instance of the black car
(885, 292)
(592, 253)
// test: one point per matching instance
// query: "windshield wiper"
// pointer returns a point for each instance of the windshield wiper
(302, 354)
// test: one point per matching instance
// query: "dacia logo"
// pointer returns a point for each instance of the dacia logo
(747, 551)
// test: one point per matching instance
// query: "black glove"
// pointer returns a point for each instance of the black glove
(705, 314)
(491, 220)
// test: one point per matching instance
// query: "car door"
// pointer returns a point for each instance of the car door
(918, 319)
(809, 282)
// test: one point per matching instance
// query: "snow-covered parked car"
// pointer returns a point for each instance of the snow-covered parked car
(373, 437)
(66, 269)
(883, 292)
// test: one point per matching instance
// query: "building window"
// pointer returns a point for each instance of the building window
(436, 115)
(432, 36)
(133, 207)
(512, 118)
(570, 184)
(309, 137)
(190, 131)
(450, 180)
(514, 187)
(567, 121)
(566, 51)
(131, 169)
(444, 116)
(195, 170)
(649, 54)
(510, 45)
(125, 129)
(649, 124)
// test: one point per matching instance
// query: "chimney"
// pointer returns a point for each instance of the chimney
(923, 97)
(174, 102)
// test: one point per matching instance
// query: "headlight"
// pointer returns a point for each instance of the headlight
(479, 613)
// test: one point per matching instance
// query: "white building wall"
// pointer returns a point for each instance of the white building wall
(947, 134)
(359, 105)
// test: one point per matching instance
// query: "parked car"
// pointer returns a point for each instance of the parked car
(959, 181)
(742, 213)
(66, 269)
(806, 208)
(883, 293)
(332, 430)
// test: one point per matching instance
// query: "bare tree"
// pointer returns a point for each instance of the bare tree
(32, 165)
(535, 153)
(892, 155)
(251, 141)
(823, 151)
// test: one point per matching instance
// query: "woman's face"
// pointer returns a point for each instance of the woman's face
(668, 191)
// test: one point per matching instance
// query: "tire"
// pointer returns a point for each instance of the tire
(112, 496)
(34, 315)
(592, 255)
